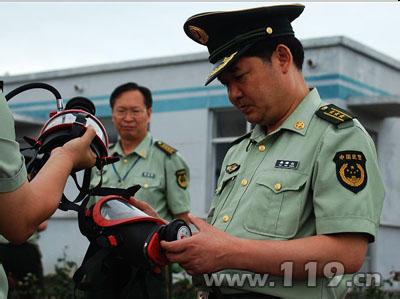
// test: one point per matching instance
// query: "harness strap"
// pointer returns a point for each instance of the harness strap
(126, 193)
(80, 277)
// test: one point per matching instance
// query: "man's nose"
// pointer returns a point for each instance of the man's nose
(128, 116)
(234, 92)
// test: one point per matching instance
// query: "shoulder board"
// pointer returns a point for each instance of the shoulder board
(169, 150)
(236, 141)
(334, 114)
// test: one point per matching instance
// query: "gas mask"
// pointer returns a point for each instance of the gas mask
(114, 226)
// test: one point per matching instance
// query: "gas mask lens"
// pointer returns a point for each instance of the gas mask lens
(116, 209)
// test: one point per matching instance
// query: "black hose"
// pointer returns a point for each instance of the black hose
(28, 86)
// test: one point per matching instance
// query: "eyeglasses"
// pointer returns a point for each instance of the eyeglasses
(120, 113)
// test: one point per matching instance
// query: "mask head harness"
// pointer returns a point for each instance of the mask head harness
(116, 229)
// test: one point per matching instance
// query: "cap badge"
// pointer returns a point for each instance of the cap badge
(198, 34)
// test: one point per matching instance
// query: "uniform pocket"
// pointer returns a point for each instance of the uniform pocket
(147, 183)
(276, 203)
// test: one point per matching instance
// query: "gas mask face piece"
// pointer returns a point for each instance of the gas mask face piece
(115, 223)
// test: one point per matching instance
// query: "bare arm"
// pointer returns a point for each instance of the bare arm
(212, 250)
(24, 209)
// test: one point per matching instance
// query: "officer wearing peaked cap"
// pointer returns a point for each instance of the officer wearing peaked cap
(298, 197)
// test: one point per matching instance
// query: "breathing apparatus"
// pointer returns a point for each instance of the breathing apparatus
(115, 228)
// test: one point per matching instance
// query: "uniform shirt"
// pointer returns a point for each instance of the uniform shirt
(12, 167)
(291, 184)
(163, 176)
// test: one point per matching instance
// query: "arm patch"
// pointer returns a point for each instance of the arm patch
(169, 150)
(335, 115)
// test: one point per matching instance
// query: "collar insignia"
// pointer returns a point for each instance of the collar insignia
(232, 168)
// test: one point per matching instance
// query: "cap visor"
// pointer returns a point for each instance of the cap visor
(225, 63)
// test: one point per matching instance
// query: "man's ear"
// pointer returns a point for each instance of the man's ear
(284, 57)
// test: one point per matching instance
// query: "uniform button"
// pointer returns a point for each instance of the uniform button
(225, 218)
(146, 185)
(244, 182)
(261, 147)
(125, 161)
(299, 125)
(278, 186)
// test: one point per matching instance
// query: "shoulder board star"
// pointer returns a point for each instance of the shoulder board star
(335, 115)
(236, 141)
(169, 150)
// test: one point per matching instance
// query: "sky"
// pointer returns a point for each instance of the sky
(46, 36)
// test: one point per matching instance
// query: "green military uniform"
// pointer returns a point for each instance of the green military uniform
(312, 176)
(12, 167)
(160, 171)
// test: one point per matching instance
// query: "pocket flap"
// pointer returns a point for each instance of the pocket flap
(147, 182)
(224, 181)
(279, 181)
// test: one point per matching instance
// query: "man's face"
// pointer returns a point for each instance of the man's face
(130, 115)
(257, 89)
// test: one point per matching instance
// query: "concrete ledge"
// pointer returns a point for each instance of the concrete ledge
(378, 106)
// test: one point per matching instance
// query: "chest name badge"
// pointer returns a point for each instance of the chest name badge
(148, 175)
(350, 170)
(286, 164)
(232, 167)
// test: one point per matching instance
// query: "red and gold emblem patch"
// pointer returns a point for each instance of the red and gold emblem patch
(350, 170)
(181, 178)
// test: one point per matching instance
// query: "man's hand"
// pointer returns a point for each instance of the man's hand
(204, 252)
(144, 207)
